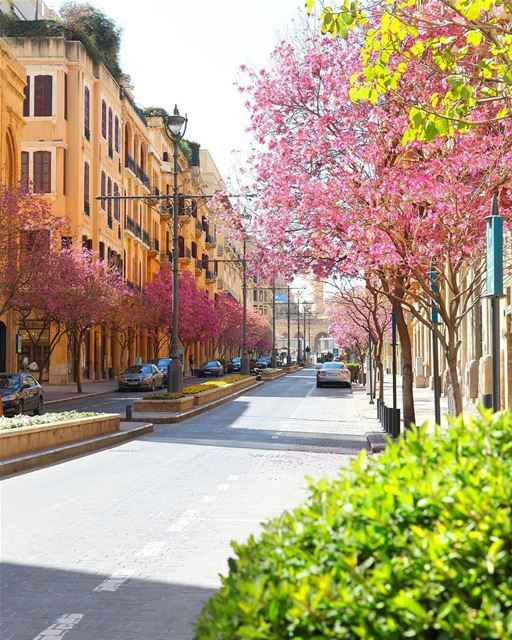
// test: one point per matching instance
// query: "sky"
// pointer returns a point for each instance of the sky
(189, 52)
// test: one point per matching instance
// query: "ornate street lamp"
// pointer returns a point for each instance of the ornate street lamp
(175, 127)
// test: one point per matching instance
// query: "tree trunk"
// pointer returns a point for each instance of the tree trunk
(380, 368)
(407, 369)
(451, 359)
(76, 343)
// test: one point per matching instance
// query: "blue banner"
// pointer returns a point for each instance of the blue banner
(494, 255)
(434, 314)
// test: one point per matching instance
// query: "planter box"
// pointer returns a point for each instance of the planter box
(164, 406)
(214, 394)
(270, 375)
(15, 442)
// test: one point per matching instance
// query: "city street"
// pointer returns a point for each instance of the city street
(127, 543)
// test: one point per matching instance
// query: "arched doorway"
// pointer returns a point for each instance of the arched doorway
(319, 343)
(3, 346)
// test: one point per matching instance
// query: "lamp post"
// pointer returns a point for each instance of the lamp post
(289, 356)
(175, 127)
(434, 316)
(273, 363)
(298, 331)
(245, 365)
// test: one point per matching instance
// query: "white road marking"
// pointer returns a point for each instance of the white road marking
(61, 626)
(183, 521)
(115, 581)
(209, 499)
(223, 487)
(151, 549)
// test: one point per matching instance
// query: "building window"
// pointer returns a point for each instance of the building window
(25, 177)
(42, 171)
(116, 202)
(43, 96)
(87, 205)
(194, 250)
(26, 102)
(65, 96)
(181, 245)
(110, 132)
(205, 261)
(64, 171)
(104, 119)
(87, 113)
(116, 135)
(103, 188)
(165, 156)
(66, 242)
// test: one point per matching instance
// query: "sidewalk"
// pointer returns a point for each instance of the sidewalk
(423, 404)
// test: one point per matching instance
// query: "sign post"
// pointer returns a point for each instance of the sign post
(495, 292)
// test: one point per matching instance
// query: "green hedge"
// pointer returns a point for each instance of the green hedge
(415, 543)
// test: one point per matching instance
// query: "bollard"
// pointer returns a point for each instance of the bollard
(128, 412)
(389, 420)
(395, 423)
(382, 413)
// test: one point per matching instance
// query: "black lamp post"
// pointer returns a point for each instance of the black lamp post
(175, 127)
(289, 356)
(298, 331)
(245, 365)
(274, 362)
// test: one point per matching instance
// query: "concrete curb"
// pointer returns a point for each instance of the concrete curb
(180, 417)
(18, 464)
(375, 436)
(79, 397)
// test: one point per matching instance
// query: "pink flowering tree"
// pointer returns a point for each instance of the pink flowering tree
(198, 321)
(339, 192)
(356, 312)
(153, 309)
(229, 314)
(123, 321)
(29, 231)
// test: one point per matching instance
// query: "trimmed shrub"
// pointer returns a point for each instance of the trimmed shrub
(163, 395)
(415, 543)
(213, 384)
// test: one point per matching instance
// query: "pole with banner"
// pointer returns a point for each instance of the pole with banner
(434, 317)
(495, 292)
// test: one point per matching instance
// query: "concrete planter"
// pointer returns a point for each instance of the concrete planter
(220, 392)
(15, 442)
(164, 406)
(271, 375)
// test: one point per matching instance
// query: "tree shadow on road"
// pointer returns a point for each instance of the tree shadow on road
(34, 598)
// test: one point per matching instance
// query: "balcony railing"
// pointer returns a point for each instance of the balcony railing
(199, 226)
(133, 227)
(211, 276)
(199, 264)
(156, 245)
(186, 253)
(145, 238)
(142, 176)
(211, 239)
(130, 163)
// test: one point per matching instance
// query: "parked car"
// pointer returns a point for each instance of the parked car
(20, 393)
(264, 362)
(141, 376)
(162, 364)
(333, 373)
(210, 368)
(234, 364)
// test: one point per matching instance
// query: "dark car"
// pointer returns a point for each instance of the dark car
(264, 362)
(141, 376)
(210, 368)
(235, 364)
(162, 364)
(20, 393)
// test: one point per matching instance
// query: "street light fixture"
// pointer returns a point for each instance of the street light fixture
(175, 127)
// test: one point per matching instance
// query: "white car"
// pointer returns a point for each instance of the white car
(333, 373)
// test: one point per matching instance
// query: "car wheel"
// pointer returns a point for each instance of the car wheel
(38, 411)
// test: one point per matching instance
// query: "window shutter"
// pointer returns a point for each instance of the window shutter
(104, 119)
(64, 171)
(110, 126)
(25, 178)
(65, 96)
(109, 193)
(86, 188)
(116, 202)
(116, 134)
(87, 113)
(42, 171)
(26, 102)
(103, 188)
(43, 96)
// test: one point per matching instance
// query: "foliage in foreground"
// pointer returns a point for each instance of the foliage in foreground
(413, 544)
(47, 418)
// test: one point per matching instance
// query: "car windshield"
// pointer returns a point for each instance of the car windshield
(9, 382)
(139, 368)
(333, 365)
(235, 359)
(211, 363)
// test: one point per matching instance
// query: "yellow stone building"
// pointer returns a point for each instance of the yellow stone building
(12, 83)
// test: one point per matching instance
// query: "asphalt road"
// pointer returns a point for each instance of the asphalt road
(127, 543)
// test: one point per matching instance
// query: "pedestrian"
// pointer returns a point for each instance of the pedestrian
(191, 363)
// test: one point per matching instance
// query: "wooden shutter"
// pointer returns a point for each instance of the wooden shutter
(103, 188)
(110, 127)
(65, 96)
(109, 193)
(25, 178)
(116, 134)
(43, 86)
(42, 171)
(86, 188)
(64, 171)
(26, 102)
(87, 113)
(104, 119)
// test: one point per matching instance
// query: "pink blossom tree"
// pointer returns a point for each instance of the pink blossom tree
(229, 314)
(198, 321)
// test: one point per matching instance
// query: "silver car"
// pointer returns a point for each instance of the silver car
(333, 373)
(139, 376)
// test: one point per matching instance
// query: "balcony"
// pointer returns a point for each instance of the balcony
(211, 276)
(145, 238)
(211, 240)
(142, 176)
(220, 250)
(199, 228)
(199, 266)
(154, 250)
(133, 227)
(129, 163)
(185, 256)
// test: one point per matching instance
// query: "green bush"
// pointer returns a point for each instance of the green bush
(354, 369)
(163, 395)
(415, 543)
